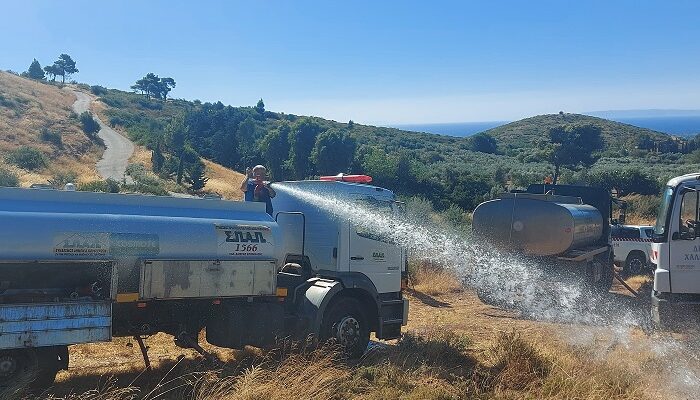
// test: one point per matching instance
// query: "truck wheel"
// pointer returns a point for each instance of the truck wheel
(604, 271)
(26, 367)
(345, 323)
(635, 264)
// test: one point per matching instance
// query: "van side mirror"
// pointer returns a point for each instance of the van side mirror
(621, 219)
(683, 236)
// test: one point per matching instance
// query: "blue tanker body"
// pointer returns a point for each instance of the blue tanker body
(48, 224)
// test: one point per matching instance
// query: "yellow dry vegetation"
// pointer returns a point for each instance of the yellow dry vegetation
(434, 280)
(223, 181)
(27, 107)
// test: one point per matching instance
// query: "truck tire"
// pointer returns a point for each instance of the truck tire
(607, 274)
(22, 368)
(635, 263)
(346, 325)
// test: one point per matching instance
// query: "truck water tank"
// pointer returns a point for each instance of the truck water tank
(57, 224)
(540, 225)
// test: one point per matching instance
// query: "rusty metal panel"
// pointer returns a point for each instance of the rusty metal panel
(264, 280)
(176, 279)
(53, 324)
(226, 278)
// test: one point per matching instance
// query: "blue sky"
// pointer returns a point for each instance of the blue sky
(378, 62)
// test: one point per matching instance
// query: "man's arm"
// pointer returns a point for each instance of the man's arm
(271, 191)
(244, 184)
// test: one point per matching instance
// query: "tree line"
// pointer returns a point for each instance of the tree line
(450, 172)
(153, 86)
(64, 67)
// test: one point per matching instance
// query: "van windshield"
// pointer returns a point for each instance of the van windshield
(664, 209)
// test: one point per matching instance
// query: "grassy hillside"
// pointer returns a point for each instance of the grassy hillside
(449, 171)
(526, 133)
(39, 116)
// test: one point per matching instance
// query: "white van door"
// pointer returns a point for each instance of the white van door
(375, 255)
(684, 254)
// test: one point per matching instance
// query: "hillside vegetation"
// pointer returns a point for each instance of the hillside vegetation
(40, 136)
(452, 172)
(527, 133)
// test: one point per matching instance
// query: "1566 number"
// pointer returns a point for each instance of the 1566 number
(246, 247)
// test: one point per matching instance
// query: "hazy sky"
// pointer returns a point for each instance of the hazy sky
(374, 61)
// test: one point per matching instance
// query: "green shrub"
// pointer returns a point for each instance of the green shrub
(8, 178)
(98, 90)
(60, 179)
(107, 186)
(27, 157)
(90, 125)
(112, 185)
(83, 86)
(645, 207)
(113, 101)
(626, 181)
(93, 186)
(50, 136)
(150, 105)
(147, 189)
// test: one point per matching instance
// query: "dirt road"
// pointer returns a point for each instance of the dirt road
(118, 148)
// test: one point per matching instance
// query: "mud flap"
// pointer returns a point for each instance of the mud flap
(314, 303)
(238, 324)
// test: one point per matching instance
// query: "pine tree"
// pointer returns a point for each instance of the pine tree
(260, 107)
(35, 71)
(195, 176)
(158, 159)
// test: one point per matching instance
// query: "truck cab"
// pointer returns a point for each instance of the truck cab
(676, 254)
(348, 266)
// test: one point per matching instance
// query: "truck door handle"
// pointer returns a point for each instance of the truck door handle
(357, 258)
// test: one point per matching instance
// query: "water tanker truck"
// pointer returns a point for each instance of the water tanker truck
(78, 267)
(563, 228)
(675, 299)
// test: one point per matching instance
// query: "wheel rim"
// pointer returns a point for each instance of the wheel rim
(348, 332)
(636, 265)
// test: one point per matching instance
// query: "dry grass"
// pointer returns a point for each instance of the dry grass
(432, 365)
(223, 181)
(31, 106)
(434, 280)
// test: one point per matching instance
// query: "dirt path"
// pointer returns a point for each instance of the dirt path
(118, 148)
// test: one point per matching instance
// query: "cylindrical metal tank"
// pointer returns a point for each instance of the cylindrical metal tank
(538, 224)
(49, 224)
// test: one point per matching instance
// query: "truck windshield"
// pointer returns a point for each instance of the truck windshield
(664, 209)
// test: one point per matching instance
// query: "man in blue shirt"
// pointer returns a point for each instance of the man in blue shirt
(255, 188)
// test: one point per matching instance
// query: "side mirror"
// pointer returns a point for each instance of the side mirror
(683, 236)
(621, 219)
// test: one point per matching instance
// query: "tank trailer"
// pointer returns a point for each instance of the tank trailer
(564, 228)
(78, 267)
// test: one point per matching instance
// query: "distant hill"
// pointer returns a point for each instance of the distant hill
(526, 133)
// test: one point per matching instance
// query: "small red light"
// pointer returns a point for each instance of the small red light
(141, 305)
(216, 302)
